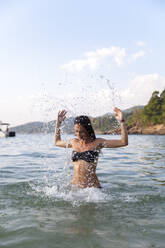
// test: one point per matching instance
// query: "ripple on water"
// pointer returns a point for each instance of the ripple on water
(39, 208)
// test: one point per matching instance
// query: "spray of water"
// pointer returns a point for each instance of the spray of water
(89, 101)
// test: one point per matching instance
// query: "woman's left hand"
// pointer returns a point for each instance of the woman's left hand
(119, 114)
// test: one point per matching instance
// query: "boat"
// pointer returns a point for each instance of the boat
(6, 133)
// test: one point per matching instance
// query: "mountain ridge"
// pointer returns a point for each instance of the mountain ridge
(107, 121)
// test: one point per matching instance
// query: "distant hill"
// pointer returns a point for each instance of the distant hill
(107, 122)
(101, 124)
(132, 109)
(126, 111)
(31, 127)
(43, 127)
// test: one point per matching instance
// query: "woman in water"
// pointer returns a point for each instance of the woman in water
(86, 147)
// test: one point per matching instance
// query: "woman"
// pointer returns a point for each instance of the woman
(86, 147)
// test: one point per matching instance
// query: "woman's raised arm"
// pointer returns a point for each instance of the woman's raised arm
(57, 135)
(124, 135)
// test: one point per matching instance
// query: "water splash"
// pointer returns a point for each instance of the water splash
(67, 170)
(93, 101)
(72, 194)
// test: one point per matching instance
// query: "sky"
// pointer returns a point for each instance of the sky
(83, 56)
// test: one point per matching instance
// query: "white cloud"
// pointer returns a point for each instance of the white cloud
(141, 89)
(141, 43)
(136, 55)
(93, 59)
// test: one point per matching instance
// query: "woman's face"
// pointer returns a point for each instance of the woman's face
(81, 132)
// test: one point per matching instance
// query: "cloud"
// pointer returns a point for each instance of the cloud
(141, 43)
(137, 55)
(141, 89)
(93, 59)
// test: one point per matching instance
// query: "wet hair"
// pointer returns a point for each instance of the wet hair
(84, 121)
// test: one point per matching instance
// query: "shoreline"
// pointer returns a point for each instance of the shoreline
(158, 129)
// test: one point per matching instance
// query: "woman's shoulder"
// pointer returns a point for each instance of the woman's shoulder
(73, 141)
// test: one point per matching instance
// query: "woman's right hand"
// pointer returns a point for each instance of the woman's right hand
(61, 116)
(119, 114)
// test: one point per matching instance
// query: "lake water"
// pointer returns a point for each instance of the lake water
(39, 209)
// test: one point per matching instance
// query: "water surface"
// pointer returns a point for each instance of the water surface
(39, 208)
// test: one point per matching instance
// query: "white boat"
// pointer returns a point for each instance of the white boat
(5, 133)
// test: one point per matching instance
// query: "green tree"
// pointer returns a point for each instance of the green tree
(162, 97)
(152, 112)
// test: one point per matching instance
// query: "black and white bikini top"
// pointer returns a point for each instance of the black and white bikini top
(89, 156)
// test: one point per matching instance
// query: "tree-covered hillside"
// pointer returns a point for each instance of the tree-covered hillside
(153, 113)
(104, 123)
